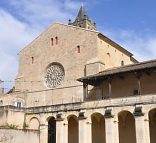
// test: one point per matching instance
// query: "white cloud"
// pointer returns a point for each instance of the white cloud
(142, 46)
(13, 36)
(41, 13)
(25, 19)
(22, 22)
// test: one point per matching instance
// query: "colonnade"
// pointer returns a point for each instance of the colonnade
(101, 128)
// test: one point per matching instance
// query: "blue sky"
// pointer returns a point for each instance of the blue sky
(131, 23)
(127, 14)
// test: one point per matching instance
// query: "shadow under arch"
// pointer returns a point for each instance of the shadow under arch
(51, 129)
(152, 125)
(98, 128)
(73, 129)
(127, 131)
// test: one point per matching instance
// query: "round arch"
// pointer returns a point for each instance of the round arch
(73, 116)
(127, 132)
(98, 128)
(51, 129)
(34, 123)
(152, 124)
(73, 129)
(49, 117)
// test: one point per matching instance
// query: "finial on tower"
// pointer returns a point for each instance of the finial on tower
(82, 20)
(69, 22)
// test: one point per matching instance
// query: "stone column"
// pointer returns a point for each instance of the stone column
(44, 132)
(85, 130)
(142, 130)
(61, 131)
(147, 130)
(111, 130)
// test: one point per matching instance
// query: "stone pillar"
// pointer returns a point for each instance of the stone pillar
(85, 91)
(85, 130)
(44, 132)
(111, 129)
(61, 131)
(142, 130)
(147, 130)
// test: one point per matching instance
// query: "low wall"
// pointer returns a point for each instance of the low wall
(11, 115)
(19, 136)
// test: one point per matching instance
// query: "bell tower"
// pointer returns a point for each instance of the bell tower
(82, 20)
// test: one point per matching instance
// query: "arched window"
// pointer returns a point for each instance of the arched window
(73, 129)
(32, 60)
(52, 41)
(56, 40)
(127, 132)
(122, 63)
(18, 104)
(52, 130)
(152, 125)
(98, 128)
(78, 49)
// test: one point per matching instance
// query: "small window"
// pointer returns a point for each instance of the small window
(19, 104)
(122, 63)
(56, 40)
(52, 41)
(32, 60)
(78, 49)
(108, 54)
(135, 92)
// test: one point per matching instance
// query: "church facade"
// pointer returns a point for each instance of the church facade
(75, 85)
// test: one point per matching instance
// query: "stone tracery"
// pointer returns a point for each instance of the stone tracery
(54, 75)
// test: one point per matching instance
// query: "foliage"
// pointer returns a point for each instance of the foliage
(12, 126)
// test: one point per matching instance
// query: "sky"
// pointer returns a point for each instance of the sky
(130, 23)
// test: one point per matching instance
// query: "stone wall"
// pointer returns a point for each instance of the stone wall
(10, 115)
(18, 136)
(13, 98)
(31, 74)
(95, 54)
(111, 56)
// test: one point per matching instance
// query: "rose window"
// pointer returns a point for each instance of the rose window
(54, 75)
